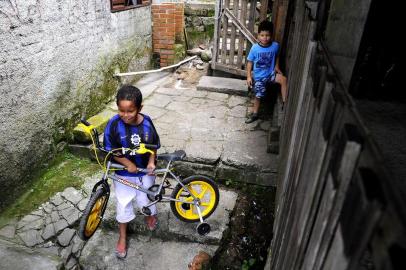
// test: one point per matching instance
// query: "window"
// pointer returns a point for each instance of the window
(119, 5)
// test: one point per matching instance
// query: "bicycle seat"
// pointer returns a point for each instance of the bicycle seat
(177, 155)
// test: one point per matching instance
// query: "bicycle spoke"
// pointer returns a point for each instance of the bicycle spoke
(193, 192)
(203, 192)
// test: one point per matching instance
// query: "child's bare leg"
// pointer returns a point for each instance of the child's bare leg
(121, 244)
(283, 83)
(257, 102)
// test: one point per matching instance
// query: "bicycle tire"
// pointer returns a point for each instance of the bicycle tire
(209, 196)
(93, 214)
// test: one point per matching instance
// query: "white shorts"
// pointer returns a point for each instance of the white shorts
(126, 194)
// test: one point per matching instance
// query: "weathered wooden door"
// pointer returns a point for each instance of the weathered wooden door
(234, 33)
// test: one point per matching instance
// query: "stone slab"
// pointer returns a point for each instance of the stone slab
(144, 253)
(21, 258)
(223, 85)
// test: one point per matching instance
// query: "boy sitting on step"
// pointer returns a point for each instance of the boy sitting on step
(263, 67)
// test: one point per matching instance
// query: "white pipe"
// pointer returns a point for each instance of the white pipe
(154, 70)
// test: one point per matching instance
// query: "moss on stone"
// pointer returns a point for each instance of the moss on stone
(196, 38)
(90, 94)
(179, 52)
(66, 170)
(73, 98)
(210, 13)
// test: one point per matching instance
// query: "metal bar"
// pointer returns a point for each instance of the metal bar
(154, 70)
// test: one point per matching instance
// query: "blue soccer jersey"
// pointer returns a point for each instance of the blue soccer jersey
(264, 60)
(118, 134)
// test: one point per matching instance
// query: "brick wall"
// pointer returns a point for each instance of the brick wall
(168, 23)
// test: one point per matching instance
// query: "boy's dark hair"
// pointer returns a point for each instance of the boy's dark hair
(265, 26)
(129, 92)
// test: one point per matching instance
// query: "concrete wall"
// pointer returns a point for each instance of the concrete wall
(343, 34)
(57, 59)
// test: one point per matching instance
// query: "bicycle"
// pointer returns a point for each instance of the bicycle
(193, 199)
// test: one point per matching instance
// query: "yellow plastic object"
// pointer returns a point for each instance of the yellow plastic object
(87, 129)
(200, 190)
(98, 122)
(143, 150)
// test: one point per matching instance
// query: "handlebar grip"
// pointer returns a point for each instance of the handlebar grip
(151, 146)
(84, 122)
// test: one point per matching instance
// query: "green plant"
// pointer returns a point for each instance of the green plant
(246, 265)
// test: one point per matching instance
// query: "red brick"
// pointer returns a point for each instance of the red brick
(167, 51)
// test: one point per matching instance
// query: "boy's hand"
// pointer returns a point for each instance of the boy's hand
(132, 168)
(249, 81)
(151, 167)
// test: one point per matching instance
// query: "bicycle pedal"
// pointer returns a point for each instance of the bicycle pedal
(146, 211)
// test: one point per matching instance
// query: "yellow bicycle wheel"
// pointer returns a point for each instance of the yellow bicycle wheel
(93, 214)
(204, 189)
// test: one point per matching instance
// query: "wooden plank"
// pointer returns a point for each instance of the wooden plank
(251, 21)
(217, 31)
(251, 17)
(250, 37)
(233, 31)
(348, 162)
(241, 40)
(264, 10)
(326, 204)
(231, 69)
(224, 33)
(286, 181)
(336, 259)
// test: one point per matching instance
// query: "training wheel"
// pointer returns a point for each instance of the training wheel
(203, 228)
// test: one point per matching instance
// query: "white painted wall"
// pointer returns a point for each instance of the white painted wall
(54, 54)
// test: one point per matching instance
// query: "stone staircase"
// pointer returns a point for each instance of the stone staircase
(208, 123)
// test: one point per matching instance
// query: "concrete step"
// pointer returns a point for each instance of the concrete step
(223, 85)
(144, 253)
(171, 228)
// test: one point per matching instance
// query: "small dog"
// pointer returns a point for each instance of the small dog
(200, 261)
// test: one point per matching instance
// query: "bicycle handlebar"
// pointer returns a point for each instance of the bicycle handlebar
(119, 166)
(151, 146)
(84, 122)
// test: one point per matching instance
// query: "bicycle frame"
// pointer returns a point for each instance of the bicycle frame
(156, 194)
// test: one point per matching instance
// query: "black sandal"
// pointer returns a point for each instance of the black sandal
(252, 118)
